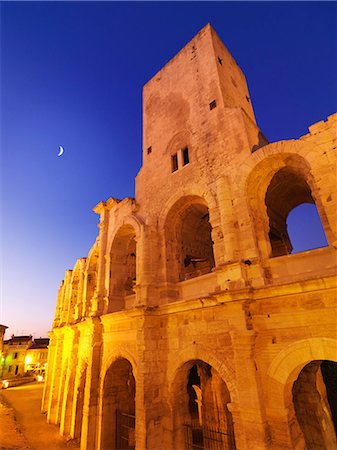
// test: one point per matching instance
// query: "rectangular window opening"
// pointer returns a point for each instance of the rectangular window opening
(149, 150)
(174, 162)
(186, 159)
(212, 105)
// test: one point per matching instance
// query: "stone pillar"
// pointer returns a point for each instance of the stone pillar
(58, 309)
(66, 297)
(99, 301)
(250, 425)
(67, 308)
(90, 430)
(49, 372)
(80, 289)
(283, 425)
(229, 230)
(147, 251)
(153, 414)
(68, 394)
(54, 375)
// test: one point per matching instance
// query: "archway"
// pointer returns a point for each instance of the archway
(188, 236)
(314, 399)
(305, 228)
(118, 407)
(202, 419)
(123, 268)
(287, 190)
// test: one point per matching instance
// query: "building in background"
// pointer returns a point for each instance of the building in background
(37, 356)
(14, 353)
(23, 355)
(191, 324)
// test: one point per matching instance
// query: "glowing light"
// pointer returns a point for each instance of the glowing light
(39, 378)
(5, 384)
(28, 359)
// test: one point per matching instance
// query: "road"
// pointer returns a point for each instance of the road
(23, 426)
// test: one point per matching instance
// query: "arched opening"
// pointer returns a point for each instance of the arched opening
(123, 270)
(315, 404)
(118, 407)
(286, 191)
(201, 415)
(305, 228)
(188, 240)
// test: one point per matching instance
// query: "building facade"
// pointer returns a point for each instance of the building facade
(23, 355)
(190, 324)
(14, 355)
(36, 357)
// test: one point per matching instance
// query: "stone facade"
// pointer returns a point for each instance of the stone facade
(190, 322)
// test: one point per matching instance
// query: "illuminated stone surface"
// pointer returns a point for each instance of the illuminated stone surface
(189, 309)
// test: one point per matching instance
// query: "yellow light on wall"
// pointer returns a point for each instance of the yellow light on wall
(28, 359)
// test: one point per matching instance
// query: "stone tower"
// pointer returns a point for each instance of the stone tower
(191, 324)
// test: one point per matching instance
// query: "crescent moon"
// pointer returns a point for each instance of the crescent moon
(61, 151)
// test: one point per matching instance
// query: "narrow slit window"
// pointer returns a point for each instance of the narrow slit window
(212, 105)
(149, 150)
(174, 162)
(186, 159)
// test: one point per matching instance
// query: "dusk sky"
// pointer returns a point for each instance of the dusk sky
(72, 76)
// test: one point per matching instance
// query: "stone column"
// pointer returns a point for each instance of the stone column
(229, 230)
(250, 424)
(80, 289)
(54, 374)
(90, 430)
(283, 425)
(68, 393)
(49, 372)
(100, 299)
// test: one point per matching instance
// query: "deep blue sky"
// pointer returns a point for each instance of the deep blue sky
(72, 75)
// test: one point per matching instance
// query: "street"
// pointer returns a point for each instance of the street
(23, 426)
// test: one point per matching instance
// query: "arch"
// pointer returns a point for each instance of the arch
(118, 406)
(200, 401)
(115, 353)
(281, 375)
(193, 190)
(132, 221)
(123, 266)
(314, 406)
(286, 366)
(206, 354)
(275, 186)
(188, 239)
